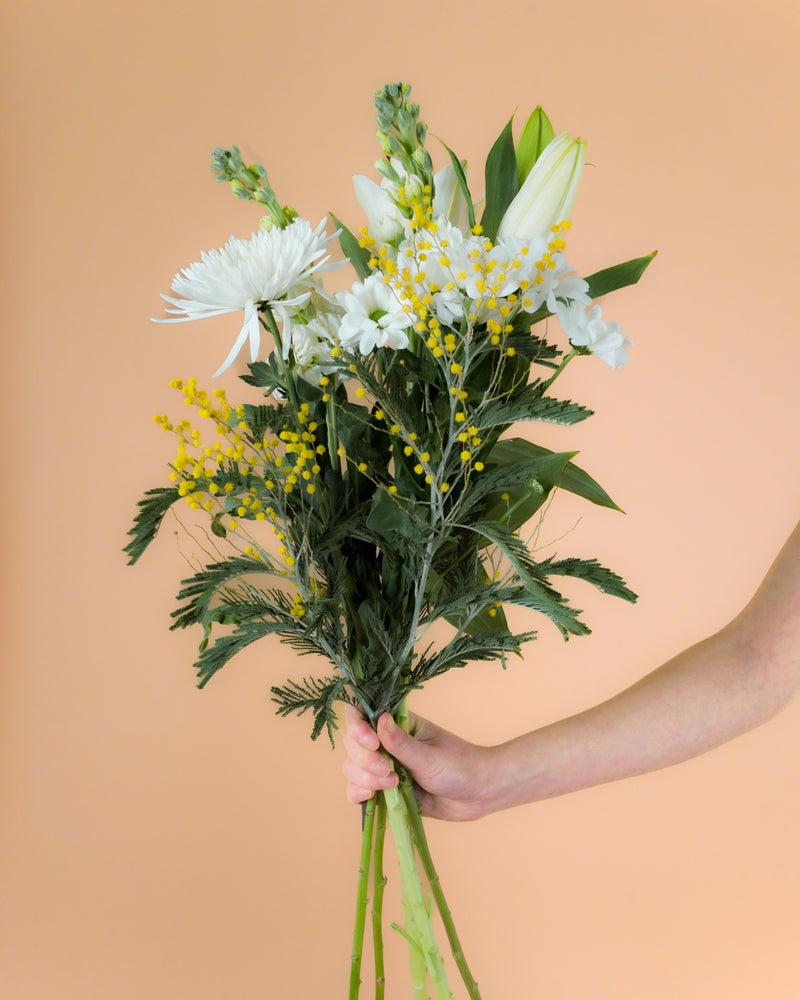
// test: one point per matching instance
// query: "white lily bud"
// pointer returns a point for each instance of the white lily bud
(384, 219)
(448, 198)
(549, 190)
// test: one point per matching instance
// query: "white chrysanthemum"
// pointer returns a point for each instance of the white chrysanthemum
(589, 329)
(373, 317)
(275, 267)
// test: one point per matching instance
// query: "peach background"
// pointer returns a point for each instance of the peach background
(157, 842)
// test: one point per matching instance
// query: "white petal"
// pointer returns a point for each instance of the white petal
(245, 333)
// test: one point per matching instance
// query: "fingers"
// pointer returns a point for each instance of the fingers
(357, 731)
(367, 769)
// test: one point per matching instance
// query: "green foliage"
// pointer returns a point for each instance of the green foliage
(619, 276)
(573, 479)
(311, 694)
(200, 590)
(152, 509)
(501, 181)
(591, 571)
(357, 255)
(462, 183)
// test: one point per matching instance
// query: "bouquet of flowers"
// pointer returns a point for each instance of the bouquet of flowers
(371, 489)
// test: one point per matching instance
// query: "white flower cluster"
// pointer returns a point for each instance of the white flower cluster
(440, 268)
(452, 270)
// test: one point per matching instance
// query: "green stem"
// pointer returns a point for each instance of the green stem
(361, 900)
(272, 326)
(573, 353)
(416, 953)
(420, 924)
(421, 844)
(379, 884)
(332, 426)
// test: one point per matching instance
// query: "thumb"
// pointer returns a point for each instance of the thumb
(412, 753)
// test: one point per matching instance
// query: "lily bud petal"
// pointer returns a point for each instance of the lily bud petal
(448, 198)
(384, 221)
(549, 190)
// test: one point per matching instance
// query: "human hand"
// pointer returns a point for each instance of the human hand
(451, 776)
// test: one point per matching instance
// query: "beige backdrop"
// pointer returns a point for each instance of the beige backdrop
(160, 842)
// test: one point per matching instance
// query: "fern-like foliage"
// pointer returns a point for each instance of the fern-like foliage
(152, 509)
(318, 695)
(593, 572)
(530, 404)
(464, 649)
(201, 589)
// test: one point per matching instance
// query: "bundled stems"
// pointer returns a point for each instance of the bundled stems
(419, 924)
(399, 808)
(421, 844)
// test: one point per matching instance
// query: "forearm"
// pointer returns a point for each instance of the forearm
(711, 692)
(691, 704)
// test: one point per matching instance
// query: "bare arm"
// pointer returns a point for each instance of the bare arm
(721, 687)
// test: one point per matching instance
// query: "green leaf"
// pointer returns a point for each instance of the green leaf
(537, 594)
(538, 132)
(530, 404)
(359, 256)
(315, 694)
(462, 183)
(201, 589)
(573, 479)
(593, 572)
(501, 181)
(392, 512)
(264, 375)
(618, 276)
(491, 620)
(466, 649)
(533, 489)
(152, 509)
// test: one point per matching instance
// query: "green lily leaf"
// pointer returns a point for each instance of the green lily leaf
(618, 276)
(573, 478)
(501, 181)
(358, 255)
(393, 512)
(530, 496)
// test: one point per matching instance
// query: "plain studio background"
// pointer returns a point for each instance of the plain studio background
(159, 842)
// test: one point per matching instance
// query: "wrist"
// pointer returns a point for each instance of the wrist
(515, 773)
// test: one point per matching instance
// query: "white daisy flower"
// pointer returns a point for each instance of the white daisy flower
(373, 317)
(275, 267)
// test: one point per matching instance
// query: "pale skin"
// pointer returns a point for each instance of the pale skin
(721, 687)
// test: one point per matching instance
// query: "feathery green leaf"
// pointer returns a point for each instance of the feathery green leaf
(152, 509)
